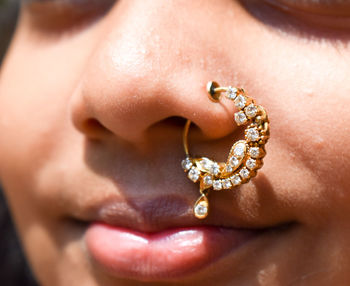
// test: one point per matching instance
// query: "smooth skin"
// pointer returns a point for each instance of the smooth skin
(93, 98)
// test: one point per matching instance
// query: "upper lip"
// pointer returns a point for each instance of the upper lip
(163, 212)
(148, 207)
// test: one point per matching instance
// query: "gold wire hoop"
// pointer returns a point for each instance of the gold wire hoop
(245, 157)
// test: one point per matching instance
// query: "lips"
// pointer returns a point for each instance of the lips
(149, 242)
(163, 255)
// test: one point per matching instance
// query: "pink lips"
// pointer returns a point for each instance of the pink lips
(162, 255)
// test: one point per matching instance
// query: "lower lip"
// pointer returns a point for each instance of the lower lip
(168, 254)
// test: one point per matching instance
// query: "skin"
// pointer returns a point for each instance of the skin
(92, 107)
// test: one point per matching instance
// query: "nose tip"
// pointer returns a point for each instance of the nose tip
(128, 112)
(133, 82)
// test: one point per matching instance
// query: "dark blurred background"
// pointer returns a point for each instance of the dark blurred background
(14, 270)
(8, 16)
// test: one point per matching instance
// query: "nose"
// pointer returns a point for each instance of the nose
(148, 66)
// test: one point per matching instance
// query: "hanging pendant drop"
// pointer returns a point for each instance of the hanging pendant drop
(201, 207)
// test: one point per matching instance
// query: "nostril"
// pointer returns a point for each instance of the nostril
(93, 128)
(176, 121)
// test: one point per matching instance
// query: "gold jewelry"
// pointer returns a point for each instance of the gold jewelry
(245, 157)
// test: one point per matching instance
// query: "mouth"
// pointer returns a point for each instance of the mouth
(163, 248)
(163, 255)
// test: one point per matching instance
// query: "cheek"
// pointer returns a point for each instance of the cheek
(303, 84)
(307, 90)
(34, 112)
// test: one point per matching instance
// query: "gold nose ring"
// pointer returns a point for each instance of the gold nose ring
(245, 157)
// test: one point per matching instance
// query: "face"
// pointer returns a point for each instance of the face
(93, 99)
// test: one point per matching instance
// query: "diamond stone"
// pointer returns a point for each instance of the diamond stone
(233, 161)
(210, 166)
(236, 180)
(240, 118)
(228, 169)
(193, 174)
(201, 210)
(240, 101)
(244, 173)
(208, 180)
(251, 164)
(254, 152)
(214, 169)
(226, 184)
(217, 185)
(186, 164)
(251, 110)
(252, 134)
(239, 150)
(231, 92)
(206, 163)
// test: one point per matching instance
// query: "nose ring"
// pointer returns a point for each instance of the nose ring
(245, 157)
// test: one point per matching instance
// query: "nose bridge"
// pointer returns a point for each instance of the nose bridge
(148, 66)
(147, 38)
